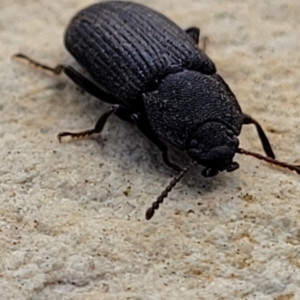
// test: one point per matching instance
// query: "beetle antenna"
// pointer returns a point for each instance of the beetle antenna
(270, 160)
(160, 199)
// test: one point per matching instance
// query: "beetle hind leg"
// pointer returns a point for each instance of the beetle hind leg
(23, 58)
(121, 111)
(80, 80)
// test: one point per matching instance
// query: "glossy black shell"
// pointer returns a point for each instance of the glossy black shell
(126, 48)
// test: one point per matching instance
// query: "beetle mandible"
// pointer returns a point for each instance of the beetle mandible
(155, 76)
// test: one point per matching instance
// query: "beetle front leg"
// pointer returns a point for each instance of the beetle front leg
(263, 137)
(145, 128)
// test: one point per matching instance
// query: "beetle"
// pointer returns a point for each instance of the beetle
(154, 75)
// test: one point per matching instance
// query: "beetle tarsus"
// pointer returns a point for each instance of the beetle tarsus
(75, 135)
(96, 130)
(23, 58)
(80, 80)
(88, 86)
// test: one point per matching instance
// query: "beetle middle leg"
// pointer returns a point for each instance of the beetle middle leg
(97, 129)
(263, 137)
(121, 111)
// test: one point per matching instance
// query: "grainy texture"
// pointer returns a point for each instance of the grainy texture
(185, 100)
(68, 230)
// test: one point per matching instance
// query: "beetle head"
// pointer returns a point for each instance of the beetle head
(213, 145)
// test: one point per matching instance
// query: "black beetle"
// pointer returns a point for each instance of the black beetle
(154, 75)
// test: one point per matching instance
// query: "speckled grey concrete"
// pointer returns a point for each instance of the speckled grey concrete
(67, 229)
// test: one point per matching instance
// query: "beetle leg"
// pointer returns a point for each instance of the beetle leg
(145, 128)
(194, 33)
(203, 43)
(97, 129)
(263, 138)
(80, 80)
(89, 86)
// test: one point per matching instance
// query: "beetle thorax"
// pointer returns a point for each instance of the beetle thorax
(213, 145)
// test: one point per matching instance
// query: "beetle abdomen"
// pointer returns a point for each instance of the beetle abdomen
(125, 47)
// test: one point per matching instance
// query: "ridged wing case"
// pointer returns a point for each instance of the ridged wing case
(126, 47)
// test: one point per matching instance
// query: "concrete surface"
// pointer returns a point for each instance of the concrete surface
(68, 231)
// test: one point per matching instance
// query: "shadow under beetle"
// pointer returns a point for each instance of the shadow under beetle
(155, 76)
